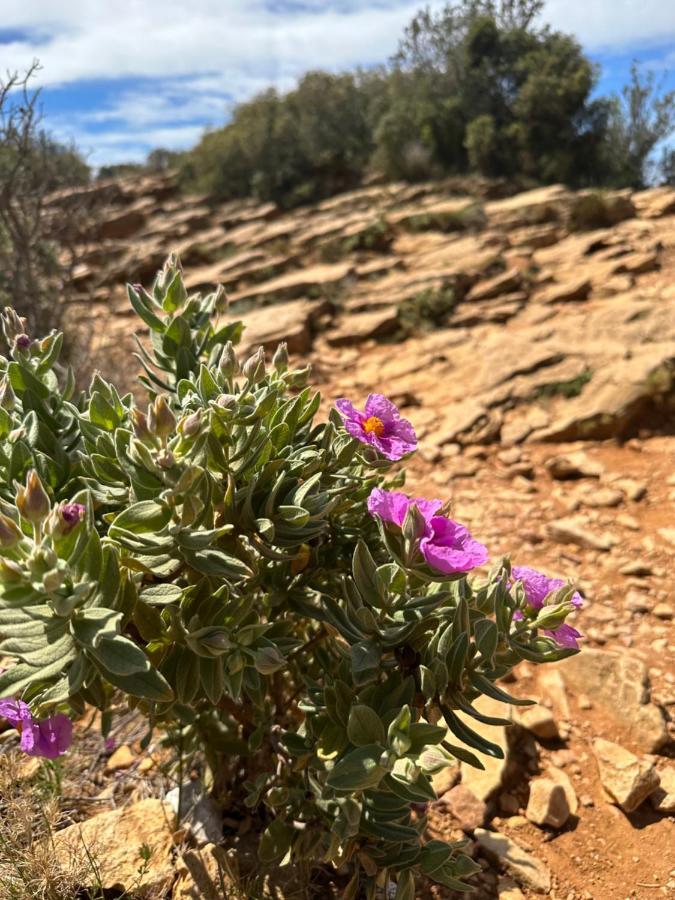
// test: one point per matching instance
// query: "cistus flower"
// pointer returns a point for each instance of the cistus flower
(48, 738)
(446, 546)
(380, 425)
(537, 588)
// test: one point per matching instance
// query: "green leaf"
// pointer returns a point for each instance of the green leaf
(365, 726)
(398, 734)
(148, 685)
(359, 770)
(120, 656)
(139, 518)
(405, 886)
(365, 658)
(275, 842)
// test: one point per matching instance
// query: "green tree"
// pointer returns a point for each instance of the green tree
(640, 118)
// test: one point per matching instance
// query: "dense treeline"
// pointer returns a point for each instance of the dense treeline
(479, 87)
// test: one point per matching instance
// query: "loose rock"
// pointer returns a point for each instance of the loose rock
(627, 779)
(526, 868)
(463, 804)
(547, 804)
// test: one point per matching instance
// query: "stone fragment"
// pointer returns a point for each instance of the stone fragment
(575, 289)
(464, 806)
(203, 875)
(663, 798)
(627, 779)
(525, 868)
(122, 758)
(547, 804)
(507, 889)
(539, 720)
(636, 568)
(552, 685)
(116, 839)
(562, 778)
(504, 283)
(602, 497)
(619, 686)
(358, 327)
(199, 811)
(663, 611)
(566, 466)
(574, 530)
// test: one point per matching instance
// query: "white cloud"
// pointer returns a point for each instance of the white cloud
(207, 53)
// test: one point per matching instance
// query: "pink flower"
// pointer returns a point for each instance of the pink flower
(49, 737)
(380, 425)
(445, 545)
(537, 587)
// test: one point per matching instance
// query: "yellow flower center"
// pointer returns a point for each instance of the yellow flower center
(373, 425)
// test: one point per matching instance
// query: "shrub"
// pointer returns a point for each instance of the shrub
(252, 579)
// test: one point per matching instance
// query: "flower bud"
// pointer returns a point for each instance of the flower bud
(32, 500)
(10, 533)
(254, 367)
(22, 343)
(226, 401)
(550, 617)
(12, 324)
(7, 395)
(161, 421)
(229, 364)
(189, 426)
(64, 518)
(139, 423)
(280, 358)
(220, 301)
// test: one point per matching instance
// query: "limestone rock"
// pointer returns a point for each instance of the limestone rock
(539, 720)
(359, 327)
(627, 779)
(292, 322)
(575, 289)
(115, 840)
(559, 776)
(122, 758)
(547, 804)
(574, 530)
(663, 798)
(464, 806)
(619, 686)
(507, 889)
(525, 868)
(565, 466)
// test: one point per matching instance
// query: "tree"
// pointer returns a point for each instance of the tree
(32, 165)
(640, 118)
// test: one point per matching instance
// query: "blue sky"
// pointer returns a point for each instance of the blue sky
(124, 76)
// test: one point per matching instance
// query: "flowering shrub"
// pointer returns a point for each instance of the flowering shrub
(255, 581)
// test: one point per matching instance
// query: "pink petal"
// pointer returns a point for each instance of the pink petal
(390, 506)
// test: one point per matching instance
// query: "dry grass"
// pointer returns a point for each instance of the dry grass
(29, 816)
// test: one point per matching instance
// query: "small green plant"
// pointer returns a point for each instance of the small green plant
(569, 389)
(469, 217)
(252, 579)
(428, 309)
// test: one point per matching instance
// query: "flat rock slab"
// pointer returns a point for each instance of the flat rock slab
(115, 840)
(525, 868)
(619, 686)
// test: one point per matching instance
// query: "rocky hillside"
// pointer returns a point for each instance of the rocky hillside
(531, 339)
